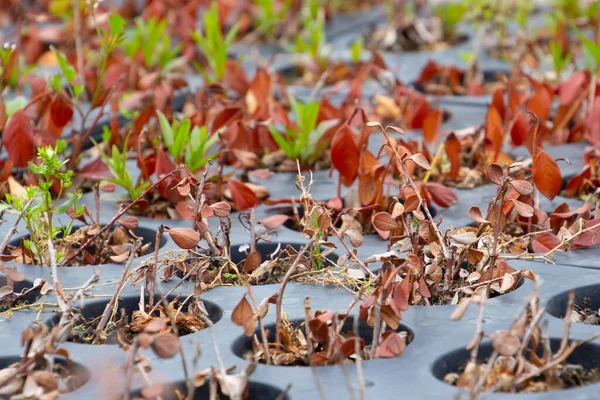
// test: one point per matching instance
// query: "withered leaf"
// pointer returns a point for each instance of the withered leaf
(243, 315)
(129, 222)
(185, 238)
(505, 343)
(384, 222)
(252, 261)
(165, 345)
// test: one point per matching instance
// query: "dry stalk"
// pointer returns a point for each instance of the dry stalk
(106, 315)
(284, 281)
(119, 214)
(261, 326)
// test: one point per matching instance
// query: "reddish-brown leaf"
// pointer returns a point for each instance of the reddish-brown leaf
(475, 215)
(544, 242)
(392, 346)
(592, 123)
(441, 195)
(420, 160)
(349, 346)
(252, 261)
(18, 139)
(522, 187)
(243, 315)
(61, 111)
(431, 125)
(129, 222)
(520, 129)
(165, 166)
(493, 130)
(539, 103)
(221, 209)
(452, 147)
(546, 174)
(243, 197)
(495, 173)
(165, 345)
(591, 236)
(524, 210)
(345, 154)
(505, 343)
(274, 221)
(185, 238)
(572, 88)
(384, 222)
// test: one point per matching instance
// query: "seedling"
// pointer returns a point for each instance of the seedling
(300, 141)
(151, 39)
(186, 144)
(213, 45)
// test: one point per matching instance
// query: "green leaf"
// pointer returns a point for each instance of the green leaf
(166, 129)
(116, 24)
(286, 147)
(70, 202)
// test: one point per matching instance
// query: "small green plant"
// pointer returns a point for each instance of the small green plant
(117, 163)
(559, 58)
(150, 38)
(43, 208)
(357, 48)
(186, 144)
(300, 141)
(311, 40)
(269, 16)
(591, 51)
(213, 45)
(451, 14)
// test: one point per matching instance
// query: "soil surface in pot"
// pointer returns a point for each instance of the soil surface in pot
(113, 246)
(410, 36)
(586, 305)
(581, 368)
(266, 265)
(294, 351)
(254, 391)
(64, 377)
(130, 321)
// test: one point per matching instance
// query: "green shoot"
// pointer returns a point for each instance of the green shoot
(356, 49)
(213, 45)
(450, 14)
(39, 216)
(117, 163)
(311, 40)
(186, 144)
(150, 38)
(269, 16)
(559, 59)
(300, 141)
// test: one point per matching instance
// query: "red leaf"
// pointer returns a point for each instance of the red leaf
(274, 221)
(493, 130)
(544, 242)
(452, 147)
(546, 174)
(345, 154)
(243, 197)
(61, 111)
(166, 187)
(591, 237)
(519, 129)
(431, 126)
(95, 170)
(572, 88)
(443, 196)
(18, 139)
(498, 102)
(592, 123)
(392, 346)
(540, 103)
